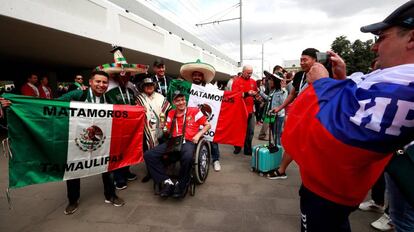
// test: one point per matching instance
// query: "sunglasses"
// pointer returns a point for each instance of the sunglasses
(382, 37)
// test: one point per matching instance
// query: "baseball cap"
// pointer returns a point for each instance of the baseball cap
(148, 81)
(403, 16)
(178, 93)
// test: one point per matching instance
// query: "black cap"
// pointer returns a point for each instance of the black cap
(403, 16)
(158, 62)
(177, 93)
(310, 52)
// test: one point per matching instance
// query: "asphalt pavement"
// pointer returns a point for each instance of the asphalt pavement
(234, 199)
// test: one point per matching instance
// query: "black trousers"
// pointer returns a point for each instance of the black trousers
(155, 166)
(378, 190)
(121, 175)
(321, 215)
(247, 150)
(73, 187)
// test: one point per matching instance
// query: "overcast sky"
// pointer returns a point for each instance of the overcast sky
(293, 25)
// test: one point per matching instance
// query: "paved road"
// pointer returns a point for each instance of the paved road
(234, 199)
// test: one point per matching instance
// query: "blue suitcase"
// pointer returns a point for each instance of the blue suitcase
(263, 161)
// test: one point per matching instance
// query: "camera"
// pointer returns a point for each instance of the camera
(323, 58)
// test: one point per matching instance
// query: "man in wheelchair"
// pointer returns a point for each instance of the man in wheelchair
(183, 138)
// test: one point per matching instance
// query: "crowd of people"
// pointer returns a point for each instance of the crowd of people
(326, 199)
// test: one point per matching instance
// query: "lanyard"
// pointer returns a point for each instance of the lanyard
(165, 84)
(176, 122)
(91, 97)
(302, 82)
(122, 95)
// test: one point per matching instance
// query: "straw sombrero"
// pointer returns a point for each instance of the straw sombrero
(121, 65)
(187, 70)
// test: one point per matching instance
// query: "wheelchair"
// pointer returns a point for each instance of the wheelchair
(200, 166)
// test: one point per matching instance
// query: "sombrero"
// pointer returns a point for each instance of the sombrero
(187, 70)
(121, 65)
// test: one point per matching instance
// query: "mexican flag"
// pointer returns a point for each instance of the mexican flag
(225, 110)
(52, 140)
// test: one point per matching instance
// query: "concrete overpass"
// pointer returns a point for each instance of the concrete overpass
(65, 35)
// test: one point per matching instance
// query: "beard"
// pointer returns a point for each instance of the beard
(197, 81)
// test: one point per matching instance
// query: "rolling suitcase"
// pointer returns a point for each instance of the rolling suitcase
(266, 158)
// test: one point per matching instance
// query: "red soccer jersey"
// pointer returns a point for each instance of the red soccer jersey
(242, 85)
(194, 119)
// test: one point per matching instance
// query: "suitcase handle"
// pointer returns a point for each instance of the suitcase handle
(270, 131)
(274, 148)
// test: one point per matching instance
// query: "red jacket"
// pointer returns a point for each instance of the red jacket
(43, 93)
(242, 85)
(28, 91)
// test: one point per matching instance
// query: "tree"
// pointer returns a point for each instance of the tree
(357, 56)
(342, 47)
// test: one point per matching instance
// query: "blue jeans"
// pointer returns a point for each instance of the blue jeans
(277, 128)
(215, 152)
(401, 212)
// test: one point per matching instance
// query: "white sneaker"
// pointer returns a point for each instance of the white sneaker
(383, 223)
(216, 166)
(371, 206)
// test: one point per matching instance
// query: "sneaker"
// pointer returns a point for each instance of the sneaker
(276, 175)
(115, 201)
(216, 166)
(178, 192)
(71, 208)
(168, 188)
(237, 150)
(383, 223)
(121, 186)
(371, 206)
(131, 176)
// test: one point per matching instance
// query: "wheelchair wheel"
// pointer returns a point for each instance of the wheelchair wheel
(202, 161)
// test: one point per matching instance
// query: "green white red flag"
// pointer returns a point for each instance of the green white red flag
(225, 110)
(53, 140)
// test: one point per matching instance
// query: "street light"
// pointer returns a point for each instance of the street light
(263, 42)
